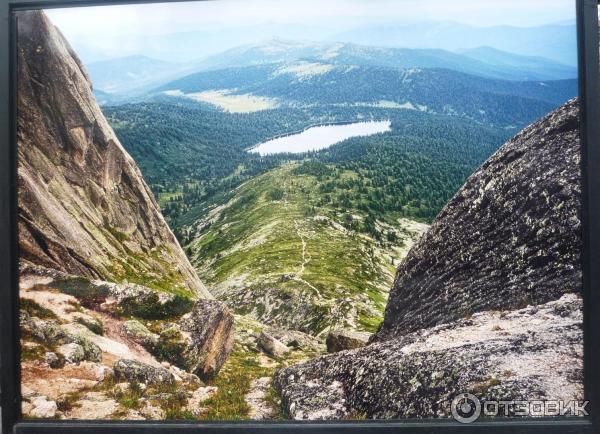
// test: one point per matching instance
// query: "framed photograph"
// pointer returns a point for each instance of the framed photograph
(264, 216)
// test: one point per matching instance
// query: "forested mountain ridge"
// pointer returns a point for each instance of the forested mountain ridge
(277, 252)
(132, 75)
(442, 91)
(204, 149)
(502, 65)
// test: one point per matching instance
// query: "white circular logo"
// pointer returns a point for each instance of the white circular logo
(466, 408)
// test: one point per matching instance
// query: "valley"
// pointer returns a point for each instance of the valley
(290, 219)
(279, 254)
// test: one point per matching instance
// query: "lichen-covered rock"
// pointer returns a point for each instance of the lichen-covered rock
(92, 323)
(139, 333)
(340, 340)
(271, 345)
(136, 371)
(210, 334)
(84, 207)
(52, 333)
(494, 355)
(73, 353)
(511, 236)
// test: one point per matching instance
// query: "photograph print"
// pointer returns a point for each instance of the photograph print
(300, 210)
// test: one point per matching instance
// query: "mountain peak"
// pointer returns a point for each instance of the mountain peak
(84, 208)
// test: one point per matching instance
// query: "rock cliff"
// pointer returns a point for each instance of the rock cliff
(84, 207)
(486, 302)
(511, 236)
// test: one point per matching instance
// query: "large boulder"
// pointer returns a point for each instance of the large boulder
(139, 372)
(527, 354)
(340, 340)
(511, 236)
(209, 330)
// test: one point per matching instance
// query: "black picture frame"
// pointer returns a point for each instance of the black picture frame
(589, 83)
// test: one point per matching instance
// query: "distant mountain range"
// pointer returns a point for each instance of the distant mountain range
(483, 61)
(553, 41)
(557, 42)
(135, 75)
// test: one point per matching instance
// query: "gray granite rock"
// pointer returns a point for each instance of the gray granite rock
(340, 340)
(531, 353)
(136, 371)
(84, 207)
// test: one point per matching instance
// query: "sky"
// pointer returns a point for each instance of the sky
(104, 32)
(162, 18)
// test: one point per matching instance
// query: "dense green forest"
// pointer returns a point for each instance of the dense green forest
(495, 102)
(193, 155)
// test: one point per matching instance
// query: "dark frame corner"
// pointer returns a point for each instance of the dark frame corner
(589, 92)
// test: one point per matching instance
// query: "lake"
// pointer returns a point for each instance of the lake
(315, 138)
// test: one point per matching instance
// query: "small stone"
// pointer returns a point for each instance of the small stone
(26, 407)
(102, 372)
(53, 360)
(73, 353)
(120, 388)
(272, 346)
(152, 412)
(27, 392)
(340, 340)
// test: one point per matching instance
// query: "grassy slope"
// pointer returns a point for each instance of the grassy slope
(273, 254)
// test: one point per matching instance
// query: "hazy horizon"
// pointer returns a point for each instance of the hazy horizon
(160, 30)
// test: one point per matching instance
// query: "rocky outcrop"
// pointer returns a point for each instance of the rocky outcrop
(136, 371)
(209, 330)
(511, 236)
(340, 340)
(83, 206)
(531, 353)
(51, 333)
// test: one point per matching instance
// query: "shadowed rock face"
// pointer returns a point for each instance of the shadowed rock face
(84, 208)
(511, 236)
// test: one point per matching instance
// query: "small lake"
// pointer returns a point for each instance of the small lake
(321, 137)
